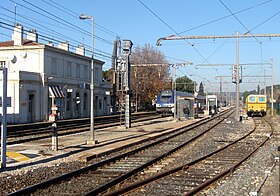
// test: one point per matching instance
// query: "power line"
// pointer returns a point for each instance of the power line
(46, 38)
(216, 20)
(75, 14)
(65, 23)
(238, 20)
(264, 21)
(176, 33)
(100, 56)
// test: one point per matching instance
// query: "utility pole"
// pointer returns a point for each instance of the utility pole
(237, 77)
(272, 89)
(114, 79)
(221, 88)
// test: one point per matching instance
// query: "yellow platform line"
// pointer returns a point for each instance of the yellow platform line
(17, 156)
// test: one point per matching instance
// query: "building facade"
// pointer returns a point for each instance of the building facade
(45, 75)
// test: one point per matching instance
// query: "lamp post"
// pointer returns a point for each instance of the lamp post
(4, 104)
(92, 139)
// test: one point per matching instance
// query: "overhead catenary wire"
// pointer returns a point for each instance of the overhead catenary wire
(224, 17)
(75, 14)
(50, 37)
(198, 52)
(248, 31)
(49, 29)
(264, 21)
(59, 20)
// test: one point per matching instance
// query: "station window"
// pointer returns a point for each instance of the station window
(85, 101)
(78, 70)
(68, 102)
(100, 104)
(54, 66)
(69, 69)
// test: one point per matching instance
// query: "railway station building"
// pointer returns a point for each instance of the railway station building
(45, 74)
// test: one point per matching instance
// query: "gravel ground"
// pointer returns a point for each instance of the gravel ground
(250, 175)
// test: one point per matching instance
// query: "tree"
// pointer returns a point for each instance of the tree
(201, 89)
(245, 95)
(108, 74)
(185, 84)
(147, 81)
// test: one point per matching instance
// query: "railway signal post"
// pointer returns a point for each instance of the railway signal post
(123, 68)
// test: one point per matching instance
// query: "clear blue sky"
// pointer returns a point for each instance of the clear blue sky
(143, 22)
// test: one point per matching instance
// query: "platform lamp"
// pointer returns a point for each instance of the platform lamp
(92, 139)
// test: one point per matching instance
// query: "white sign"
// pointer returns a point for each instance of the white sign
(9, 102)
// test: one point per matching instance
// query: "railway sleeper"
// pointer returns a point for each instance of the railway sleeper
(154, 169)
(131, 164)
(113, 169)
(163, 190)
(223, 160)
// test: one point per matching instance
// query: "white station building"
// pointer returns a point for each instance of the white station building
(44, 74)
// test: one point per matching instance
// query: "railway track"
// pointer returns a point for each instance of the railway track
(104, 175)
(36, 131)
(194, 176)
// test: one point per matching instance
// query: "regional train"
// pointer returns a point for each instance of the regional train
(165, 102)
(256, 105)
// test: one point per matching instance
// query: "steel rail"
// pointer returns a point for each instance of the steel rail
(113, 182)
(69, 129)
(60, 178)
(153, 178)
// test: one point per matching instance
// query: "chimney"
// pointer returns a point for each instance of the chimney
(50, 44)
(80, 50)
(17, 36)
(63, 46)
(32, 35)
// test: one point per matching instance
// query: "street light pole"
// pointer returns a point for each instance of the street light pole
(237, 77)
(3, 67)
(4, 115)
(92, 139)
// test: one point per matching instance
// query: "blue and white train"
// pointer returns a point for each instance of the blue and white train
(165, 102)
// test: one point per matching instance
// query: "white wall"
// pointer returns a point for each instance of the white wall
(33, 73)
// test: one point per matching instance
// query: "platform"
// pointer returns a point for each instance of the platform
(75, 146)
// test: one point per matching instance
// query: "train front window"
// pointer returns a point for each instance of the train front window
(262, 99)
(165, 98)
(252, 99)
